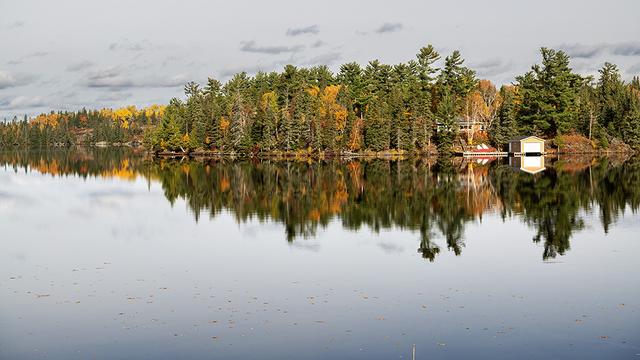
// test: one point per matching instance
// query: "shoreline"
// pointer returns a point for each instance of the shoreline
(205, 154)
(369, 154)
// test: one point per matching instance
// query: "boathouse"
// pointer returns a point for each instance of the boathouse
(526, 145)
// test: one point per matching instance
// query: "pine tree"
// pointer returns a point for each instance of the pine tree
(448, 124)
(631, 124)
(549, 93)
(212, 108)
(376, 126)
(270, 113)
(458, 79)
(505, 126)
(613, 101)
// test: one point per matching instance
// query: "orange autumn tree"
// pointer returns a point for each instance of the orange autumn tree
(481, 108)
(333, 116)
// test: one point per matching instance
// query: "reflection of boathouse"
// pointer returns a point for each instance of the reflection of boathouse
(524, 145)
(528, 164)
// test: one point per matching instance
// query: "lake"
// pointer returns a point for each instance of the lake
(107, 254)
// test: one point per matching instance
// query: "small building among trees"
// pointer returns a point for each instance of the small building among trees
(524, 145)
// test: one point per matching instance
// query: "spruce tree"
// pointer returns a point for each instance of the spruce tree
(549, 94)
(448, 124)
(505, 126)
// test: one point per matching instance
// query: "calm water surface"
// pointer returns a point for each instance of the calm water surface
(106, 255)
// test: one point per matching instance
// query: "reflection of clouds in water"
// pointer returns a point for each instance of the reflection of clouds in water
(9, 201)
(78, 212)
(253, 230)
(20, 257)
(303, 245)
(111, 198)
(390, 248)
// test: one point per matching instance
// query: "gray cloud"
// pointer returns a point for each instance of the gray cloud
(229, 72)
(590, 51)
(251, 47)
(626, 49)
(15, 24)
(251, 70)
(389, 28)
(585, 67)
(312, 29)
(127, 45)
(37, 54)
(115, 78)
(23, 102)
(114, 96)
(8, 80)
(78, 66)
(634, 70)
(323, 59)
(492, 67)
(582, 51)
(318, 44)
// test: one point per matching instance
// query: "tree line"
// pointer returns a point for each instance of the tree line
(412, 107)
(83, 127)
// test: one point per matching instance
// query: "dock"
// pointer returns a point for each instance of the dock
(485, 154)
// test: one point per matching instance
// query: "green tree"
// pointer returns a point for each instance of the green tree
(549, 94)
(505, 126)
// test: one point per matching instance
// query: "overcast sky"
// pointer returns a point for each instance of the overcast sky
(69, 54)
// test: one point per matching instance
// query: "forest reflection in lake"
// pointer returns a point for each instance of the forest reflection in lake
(433, 196)
(358, 258)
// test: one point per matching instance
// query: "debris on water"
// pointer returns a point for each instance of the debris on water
(604, 337)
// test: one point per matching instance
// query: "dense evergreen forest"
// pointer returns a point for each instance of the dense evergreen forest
(436, 198)
(409, 107)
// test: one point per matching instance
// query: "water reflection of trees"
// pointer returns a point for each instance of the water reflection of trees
(434, 198)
